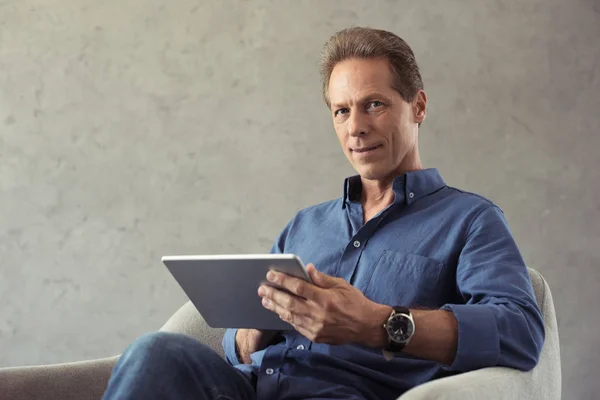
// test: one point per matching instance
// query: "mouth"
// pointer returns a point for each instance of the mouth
(365, 150)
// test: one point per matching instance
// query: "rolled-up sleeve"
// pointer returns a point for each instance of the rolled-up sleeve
(229, 347)
(500, 323)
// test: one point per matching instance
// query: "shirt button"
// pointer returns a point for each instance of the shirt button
(269, 371)
(411, 195)
(300, 347)
(356, 244)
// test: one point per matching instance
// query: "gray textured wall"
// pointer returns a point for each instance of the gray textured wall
(132, 129)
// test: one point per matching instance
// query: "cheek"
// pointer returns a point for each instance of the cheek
(390, 133)
(400, 130)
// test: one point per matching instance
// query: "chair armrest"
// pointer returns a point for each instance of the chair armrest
(187, 320)
(488, 383)
(87, 380)
(84, 380)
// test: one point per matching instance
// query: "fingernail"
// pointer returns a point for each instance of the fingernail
(266, 302)
(261, 291)
(271, 276)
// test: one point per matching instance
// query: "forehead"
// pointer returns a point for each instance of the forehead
(352, 79)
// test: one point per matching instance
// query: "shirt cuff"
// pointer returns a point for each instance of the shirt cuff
(478, 338)
(229, 346)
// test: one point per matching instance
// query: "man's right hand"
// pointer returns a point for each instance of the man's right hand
(248, 341)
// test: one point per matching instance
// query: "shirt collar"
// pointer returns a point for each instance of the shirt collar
(409, 187)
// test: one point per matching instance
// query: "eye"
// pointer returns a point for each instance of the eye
(375, 104)
(340, 112)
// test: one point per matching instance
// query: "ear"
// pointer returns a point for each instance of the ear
(419, 104)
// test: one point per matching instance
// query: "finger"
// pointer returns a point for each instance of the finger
(286, 301)
(295, 311)
(284, 314)
(303, 330)
(301, 323)
(309, 332)
(319, 278)
(291, 308)
(296, 286)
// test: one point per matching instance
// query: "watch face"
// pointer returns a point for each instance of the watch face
(400, 328)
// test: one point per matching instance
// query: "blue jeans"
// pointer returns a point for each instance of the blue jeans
(173, 366)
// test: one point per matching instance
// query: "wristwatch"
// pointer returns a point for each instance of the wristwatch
(400, 328)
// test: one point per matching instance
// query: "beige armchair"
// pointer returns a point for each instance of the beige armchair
(87, 380)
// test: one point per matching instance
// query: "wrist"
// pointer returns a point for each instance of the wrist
(237, 346)
(241, 346)
(375, 334)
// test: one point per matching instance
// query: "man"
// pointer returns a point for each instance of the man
(412, 280)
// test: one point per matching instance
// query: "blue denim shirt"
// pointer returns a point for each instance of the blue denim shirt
(434, 247)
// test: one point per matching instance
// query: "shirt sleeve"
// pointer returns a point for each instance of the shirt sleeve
(229, 347)
(228, 342)
(500, 323)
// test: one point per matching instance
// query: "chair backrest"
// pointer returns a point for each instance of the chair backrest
(188, 321)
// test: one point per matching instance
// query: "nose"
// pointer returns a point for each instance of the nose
(357, 124)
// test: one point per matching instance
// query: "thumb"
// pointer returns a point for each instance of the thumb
(319, 278)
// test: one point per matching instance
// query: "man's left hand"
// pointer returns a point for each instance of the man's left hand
(328, 311)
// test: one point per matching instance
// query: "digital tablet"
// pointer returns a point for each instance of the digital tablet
(224, 288)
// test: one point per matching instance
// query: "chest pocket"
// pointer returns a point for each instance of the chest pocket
(402, 279)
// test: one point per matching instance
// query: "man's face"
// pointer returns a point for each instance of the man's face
(376, 127)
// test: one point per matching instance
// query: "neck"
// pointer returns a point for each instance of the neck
(378, 193)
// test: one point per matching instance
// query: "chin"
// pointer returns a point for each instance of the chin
(372, 173)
